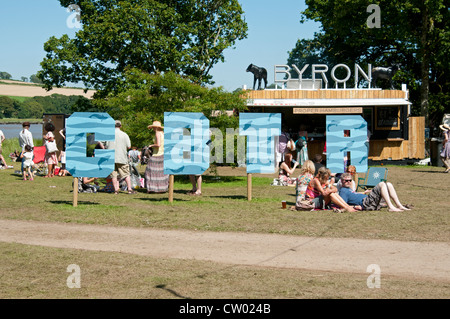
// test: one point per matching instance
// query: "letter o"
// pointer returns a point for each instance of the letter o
(342, 80)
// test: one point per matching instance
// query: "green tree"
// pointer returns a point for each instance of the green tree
(414, 33)
(186, 37)
(30, 109)
(146, 97)
(5, 75)
(35, 79)
(7, 107)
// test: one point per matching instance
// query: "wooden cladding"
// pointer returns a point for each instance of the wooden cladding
(325, 94)
(402, 149)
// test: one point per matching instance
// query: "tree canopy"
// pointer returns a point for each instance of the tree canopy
(413, 33)
(145, 97)
(186, 37)
(5, 75)
(35, 107)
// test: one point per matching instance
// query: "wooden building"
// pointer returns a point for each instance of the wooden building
(395, 135)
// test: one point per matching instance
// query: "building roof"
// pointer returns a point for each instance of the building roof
(327, 97)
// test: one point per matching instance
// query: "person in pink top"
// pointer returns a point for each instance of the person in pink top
(51, 158)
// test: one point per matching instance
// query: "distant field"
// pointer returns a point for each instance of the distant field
(20, 121)
(20, 89)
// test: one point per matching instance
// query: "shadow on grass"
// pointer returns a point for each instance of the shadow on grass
(184, 179)
(66, 202)
(230, 196)
(432, 172)
(173, 292)
(162, 199)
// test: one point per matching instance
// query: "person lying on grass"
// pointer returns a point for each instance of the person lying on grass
(322, 193)
(371, 199)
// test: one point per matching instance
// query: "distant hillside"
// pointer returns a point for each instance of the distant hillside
(18, 88)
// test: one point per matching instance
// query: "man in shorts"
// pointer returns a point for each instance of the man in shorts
(121, 145)
(371, 199)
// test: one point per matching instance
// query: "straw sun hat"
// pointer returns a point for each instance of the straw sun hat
(156, 124)
(444, 127)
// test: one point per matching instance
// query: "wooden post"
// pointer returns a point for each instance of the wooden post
(171, 181)
(249, 187)
(75, 192)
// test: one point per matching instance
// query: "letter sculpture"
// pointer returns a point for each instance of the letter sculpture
(338, 144)
(77, 127)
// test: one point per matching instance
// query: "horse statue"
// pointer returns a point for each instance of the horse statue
(385, 74)
(258, 75)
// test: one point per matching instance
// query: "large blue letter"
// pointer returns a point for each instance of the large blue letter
(338, 145)
(77, 127)
(260, 129)
(185, 148)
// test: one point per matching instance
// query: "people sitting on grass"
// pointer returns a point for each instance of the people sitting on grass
(287, 170)
(352, 170)
(317, 163)
(303, 180)
(371, 199)
(85, 186)
(322, 193)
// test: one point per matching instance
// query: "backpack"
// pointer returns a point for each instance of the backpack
(304, 204)
(300, 143)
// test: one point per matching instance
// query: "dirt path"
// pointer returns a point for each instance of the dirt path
(406, 259)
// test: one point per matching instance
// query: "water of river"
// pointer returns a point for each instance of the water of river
(13, 130)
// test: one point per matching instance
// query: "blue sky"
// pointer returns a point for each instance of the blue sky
(274, 28)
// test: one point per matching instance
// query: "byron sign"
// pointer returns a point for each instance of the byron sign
(320, 70)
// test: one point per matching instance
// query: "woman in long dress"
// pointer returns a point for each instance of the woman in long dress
(302, 146)
(155, 179)
(445, 154)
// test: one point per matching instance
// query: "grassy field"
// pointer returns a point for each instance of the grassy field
(20, 121)
(35, 272)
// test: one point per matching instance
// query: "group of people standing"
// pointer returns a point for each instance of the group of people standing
(155, 179)
(125, 156)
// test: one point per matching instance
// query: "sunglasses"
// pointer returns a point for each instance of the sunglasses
(347, 180)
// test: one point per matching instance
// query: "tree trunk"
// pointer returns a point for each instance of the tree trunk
(425, 65)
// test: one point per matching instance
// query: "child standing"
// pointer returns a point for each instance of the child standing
(27, 156)
(50, 144)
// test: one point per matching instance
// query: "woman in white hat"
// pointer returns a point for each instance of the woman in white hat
(445, 154)
(155, 179)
